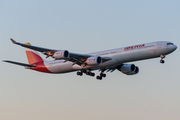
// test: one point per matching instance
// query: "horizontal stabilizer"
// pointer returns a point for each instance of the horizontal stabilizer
(17, 63)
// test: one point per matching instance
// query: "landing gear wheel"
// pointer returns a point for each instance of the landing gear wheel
(99, 78)
(162, 61)
(92, 74)
(88, 73)
(79, 73)
(103, 75)
(162, 57)
(83, 71)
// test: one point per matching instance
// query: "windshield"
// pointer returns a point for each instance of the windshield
(169, 43)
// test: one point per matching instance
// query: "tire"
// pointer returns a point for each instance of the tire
(78, 73)
(84, 71)
(104, 75)
(92, 74)
(81, 73)
(97, 77)
(162, 61)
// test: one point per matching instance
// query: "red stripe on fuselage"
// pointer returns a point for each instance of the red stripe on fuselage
(41, 68)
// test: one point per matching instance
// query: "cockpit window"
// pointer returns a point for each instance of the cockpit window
(169, 43)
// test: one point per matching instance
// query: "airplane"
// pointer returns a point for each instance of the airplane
(109, 60)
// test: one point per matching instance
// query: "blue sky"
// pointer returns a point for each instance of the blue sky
(83, 27)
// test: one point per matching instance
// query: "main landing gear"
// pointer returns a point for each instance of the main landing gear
(86, 72)
(162, 57)
(101, 75)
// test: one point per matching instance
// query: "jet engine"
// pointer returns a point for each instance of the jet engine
(61, 54)
(94, 60)
(128, 69)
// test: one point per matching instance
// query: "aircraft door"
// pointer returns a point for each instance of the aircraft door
(159, 45)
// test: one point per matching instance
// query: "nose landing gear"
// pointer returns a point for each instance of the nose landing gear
(162, 57)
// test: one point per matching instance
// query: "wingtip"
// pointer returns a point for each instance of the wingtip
(13, 41)
(5, 60)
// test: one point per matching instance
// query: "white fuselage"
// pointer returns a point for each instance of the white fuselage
(119, 56)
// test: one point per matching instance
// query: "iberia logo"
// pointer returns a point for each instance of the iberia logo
(134, 47)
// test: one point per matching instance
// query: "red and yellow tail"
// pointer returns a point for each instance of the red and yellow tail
(32, 56)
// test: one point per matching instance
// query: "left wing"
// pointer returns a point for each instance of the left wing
(40, 49)
(73, 57)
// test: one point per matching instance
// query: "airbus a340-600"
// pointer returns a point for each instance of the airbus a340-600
(109, 60)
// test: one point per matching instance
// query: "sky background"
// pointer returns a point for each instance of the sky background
(83, 27)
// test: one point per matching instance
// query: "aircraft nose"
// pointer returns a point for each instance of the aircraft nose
(175, 47)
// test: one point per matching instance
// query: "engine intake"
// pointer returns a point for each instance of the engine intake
(134, 72)
(61, 54)
(94, 60)
(128, 69)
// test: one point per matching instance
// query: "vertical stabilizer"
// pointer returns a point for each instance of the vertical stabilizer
(32, 56)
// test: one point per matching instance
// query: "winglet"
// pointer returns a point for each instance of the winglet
(13, 41)
(27, 43)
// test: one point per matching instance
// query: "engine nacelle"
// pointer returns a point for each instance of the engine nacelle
(136, 71)
(94, 60)
(61, 54)
(128, 69)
